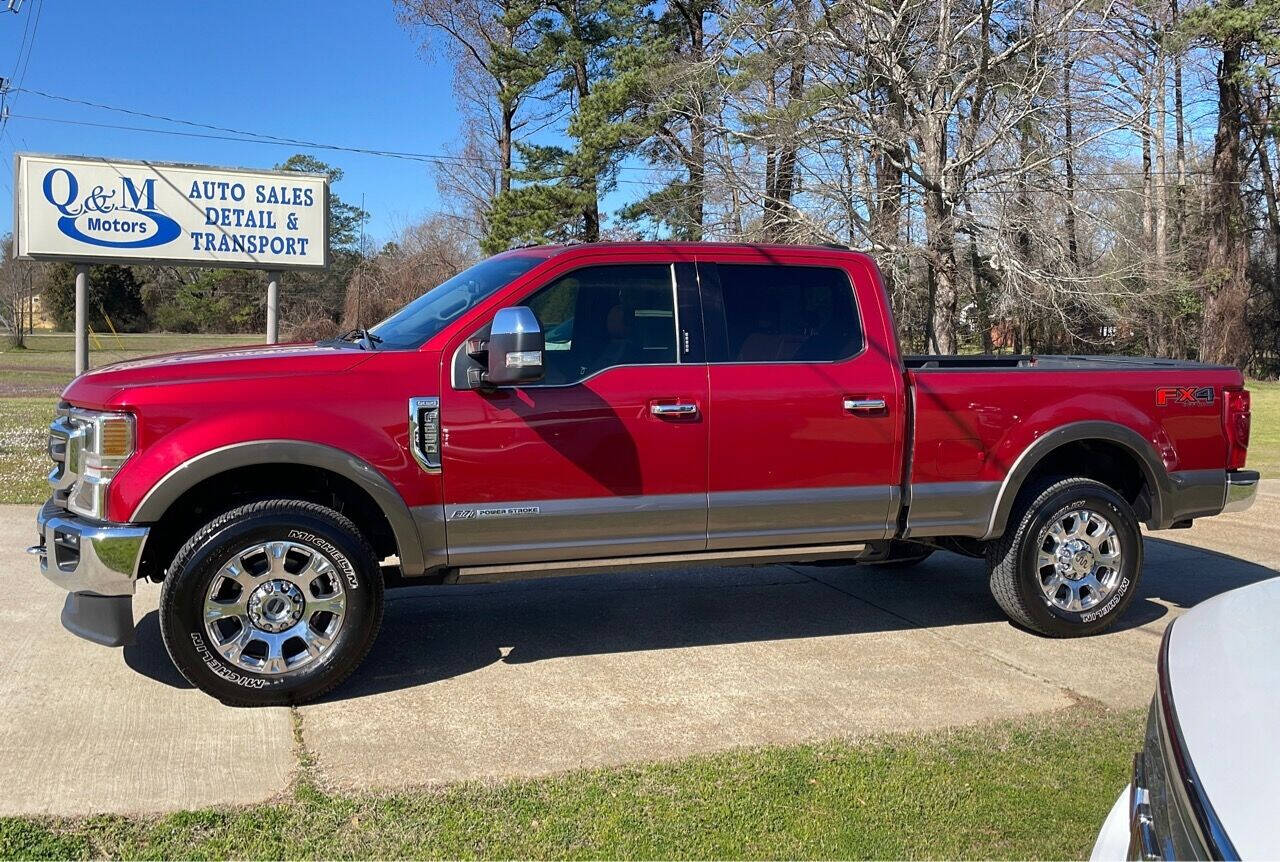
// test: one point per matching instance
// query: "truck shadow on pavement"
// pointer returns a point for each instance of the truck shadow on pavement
(435, 633)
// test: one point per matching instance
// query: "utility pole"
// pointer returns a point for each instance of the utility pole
(360, 277)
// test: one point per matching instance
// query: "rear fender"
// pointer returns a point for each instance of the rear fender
(1163, 486)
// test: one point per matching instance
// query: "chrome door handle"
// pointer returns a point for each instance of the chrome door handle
(864, 405)
(673, 409)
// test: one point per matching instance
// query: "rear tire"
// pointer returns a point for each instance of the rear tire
(1070, 561)
(271, 603)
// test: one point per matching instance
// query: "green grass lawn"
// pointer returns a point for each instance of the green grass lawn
(24, 449)
(32, 378)
(47, 363)
(1264, 436)
(1035, 788)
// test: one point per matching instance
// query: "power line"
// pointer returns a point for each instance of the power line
(227, 133)
(233, 134)
(426, 158)
(35, 28)
(17, 60)
(430, 158)
(21, 62)
(239, 134)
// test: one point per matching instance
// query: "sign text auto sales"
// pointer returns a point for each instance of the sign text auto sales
(85, 209)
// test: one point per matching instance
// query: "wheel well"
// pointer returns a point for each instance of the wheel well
(1112, 464)
(206, 500)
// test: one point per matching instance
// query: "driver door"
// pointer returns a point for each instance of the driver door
(607, 455)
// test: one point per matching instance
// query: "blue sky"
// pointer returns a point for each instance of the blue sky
(335, 72)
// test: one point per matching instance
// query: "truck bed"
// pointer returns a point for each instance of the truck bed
(972, 417)
(1066, 362)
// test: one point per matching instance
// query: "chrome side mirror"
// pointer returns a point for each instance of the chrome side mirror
(515, 348)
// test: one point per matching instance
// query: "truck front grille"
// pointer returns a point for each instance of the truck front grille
(66, 447)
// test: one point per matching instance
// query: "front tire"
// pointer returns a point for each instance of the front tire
(1069, 564)
(271, 603)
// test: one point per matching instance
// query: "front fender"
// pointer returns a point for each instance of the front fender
(190, 473)
(218, 440)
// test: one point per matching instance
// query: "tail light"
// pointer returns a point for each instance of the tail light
(1237, 421)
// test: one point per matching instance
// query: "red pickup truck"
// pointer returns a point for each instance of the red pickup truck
(565, 410)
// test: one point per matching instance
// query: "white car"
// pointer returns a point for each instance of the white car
(1206, 784)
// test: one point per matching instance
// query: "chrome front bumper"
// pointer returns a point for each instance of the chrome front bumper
(84, 556)
(1242, 489)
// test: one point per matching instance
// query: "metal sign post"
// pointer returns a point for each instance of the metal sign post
(82, 318)
(273, 307)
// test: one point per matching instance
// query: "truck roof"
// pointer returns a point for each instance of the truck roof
(684, 246)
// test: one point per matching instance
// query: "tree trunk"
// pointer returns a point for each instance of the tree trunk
(1069, 168)
(1148, 222)
(940, 238)
(943, 273)
(1224, 336)
(886, 216)
(1160, 203)
(770, 205)
(1258, 128)
(591, 204)
(784, 172)
(1180, 142)
(697, 131)
(504, 147)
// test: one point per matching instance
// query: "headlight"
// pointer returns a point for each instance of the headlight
(97, 447)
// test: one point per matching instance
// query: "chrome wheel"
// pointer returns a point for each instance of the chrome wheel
(1079, 560)
(274, 607)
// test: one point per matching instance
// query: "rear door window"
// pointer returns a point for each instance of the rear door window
(775, 313)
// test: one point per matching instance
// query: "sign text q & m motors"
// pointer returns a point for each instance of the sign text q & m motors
(88, 209)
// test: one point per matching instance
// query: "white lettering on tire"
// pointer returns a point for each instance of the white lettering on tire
(1109, 606)
(348, 571)
(221, 669)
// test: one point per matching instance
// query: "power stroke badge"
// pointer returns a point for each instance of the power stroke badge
(504, 512)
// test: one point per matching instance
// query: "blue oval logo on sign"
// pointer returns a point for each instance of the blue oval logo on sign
(121, 218)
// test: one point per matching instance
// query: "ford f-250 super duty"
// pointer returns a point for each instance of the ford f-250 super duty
(580, 409)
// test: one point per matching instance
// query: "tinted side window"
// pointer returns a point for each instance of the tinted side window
(789, 313)
(602, 316)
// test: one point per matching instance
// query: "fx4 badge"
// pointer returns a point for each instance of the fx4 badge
(1184, 396)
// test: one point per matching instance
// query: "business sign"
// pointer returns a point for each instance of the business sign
(89, 209)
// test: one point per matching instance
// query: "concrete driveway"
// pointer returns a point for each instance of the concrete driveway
(528, 679)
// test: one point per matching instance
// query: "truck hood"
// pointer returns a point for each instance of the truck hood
(1225, 682)
(96, 388)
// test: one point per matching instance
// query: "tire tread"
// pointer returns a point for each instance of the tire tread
(279, 506)
(1003, 554)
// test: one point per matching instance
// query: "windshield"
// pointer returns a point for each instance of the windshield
(412, 325)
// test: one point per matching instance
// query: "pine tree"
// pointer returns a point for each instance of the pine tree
(595, 53)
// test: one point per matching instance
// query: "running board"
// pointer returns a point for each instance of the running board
(749, 557)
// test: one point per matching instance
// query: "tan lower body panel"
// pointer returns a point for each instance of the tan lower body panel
(750, 556)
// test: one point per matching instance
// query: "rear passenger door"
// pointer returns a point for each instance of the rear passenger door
(804, 445)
